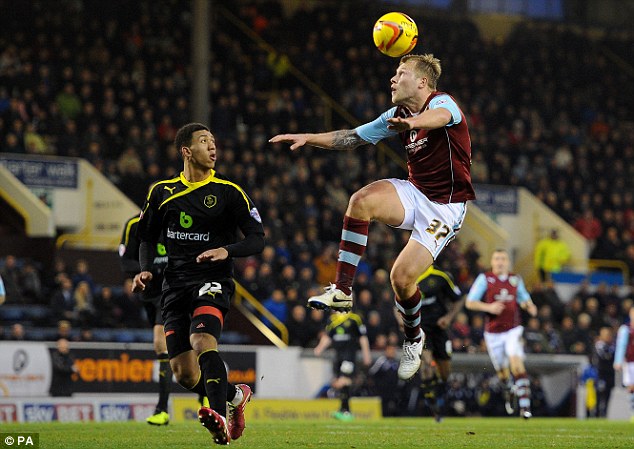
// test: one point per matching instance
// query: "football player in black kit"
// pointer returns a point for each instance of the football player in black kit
(199, 214)
(129, 260)
(442, 300)
(346, 333)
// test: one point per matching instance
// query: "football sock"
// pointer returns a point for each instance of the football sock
(354, 238)
(344, 394)
(215, 377)
(165, 382)
(199, 386)
(234, 394)
(523, 390)
(632, 401)
(441, 392)
(410, 312)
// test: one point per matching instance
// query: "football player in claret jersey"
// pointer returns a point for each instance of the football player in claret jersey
(500, 294)
(442, 300)
(129, 260)
(624, 357)
(431, 202)
(346, 333)
(199, 214)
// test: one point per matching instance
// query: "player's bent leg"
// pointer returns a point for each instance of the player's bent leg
(235, 417)
(413, 260)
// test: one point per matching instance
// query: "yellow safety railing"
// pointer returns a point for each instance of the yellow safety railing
(594, 264)
(240, 301)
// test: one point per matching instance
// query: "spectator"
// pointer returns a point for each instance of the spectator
(62, 301)
(107, 310)
(17, 333)
(82, 274)
(64, 330)
(326, 264)
(589, 226)
(298, 332)
(84, 309)
(11, 277)
(536, 341)
(551, 254)
(276, 304)
(31, 284)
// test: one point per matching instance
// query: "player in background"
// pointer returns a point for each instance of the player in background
(500, 294)
(624, 357)
(346, 333)
(3, 293)
(199, 214)
(442, 300)
(431, 203)
(129, 260)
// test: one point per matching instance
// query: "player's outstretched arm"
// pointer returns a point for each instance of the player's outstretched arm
(345, 139)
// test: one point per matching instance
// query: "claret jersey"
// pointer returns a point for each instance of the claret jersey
(508, 289)
(438, 160)
(195, 217)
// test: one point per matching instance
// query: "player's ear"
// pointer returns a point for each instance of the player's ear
(185, 152)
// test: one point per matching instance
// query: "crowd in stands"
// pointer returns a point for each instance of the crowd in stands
(548, 109)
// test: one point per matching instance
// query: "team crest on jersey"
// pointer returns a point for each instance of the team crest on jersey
(256, 215)
(513, 281)
(210, 201)
(122, 249)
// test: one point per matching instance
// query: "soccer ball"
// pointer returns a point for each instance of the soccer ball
(395, 34)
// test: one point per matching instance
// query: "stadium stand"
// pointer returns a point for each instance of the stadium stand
(549, 110)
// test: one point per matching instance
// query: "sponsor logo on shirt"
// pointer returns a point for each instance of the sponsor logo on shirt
(188, 236)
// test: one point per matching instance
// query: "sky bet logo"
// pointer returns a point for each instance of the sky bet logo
(31, 440)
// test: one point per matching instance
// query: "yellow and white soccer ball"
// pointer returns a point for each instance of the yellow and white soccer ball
(395, 34)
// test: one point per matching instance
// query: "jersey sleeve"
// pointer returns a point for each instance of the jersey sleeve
(129, 248)
(451, 290)
(478, 289)
(361, 329)
(377, 130)
(150, 222)
(445, 101)
(3, 292)
(249, 221)
(522, 293)
(621, 344)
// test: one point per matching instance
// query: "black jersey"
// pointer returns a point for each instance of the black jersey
(129, 258)
(193, 217)
(438, 289)
(345, 329)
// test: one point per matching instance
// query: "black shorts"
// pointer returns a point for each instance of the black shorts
(437, 341)
(152, 308)
(344, 368)
(180, 304)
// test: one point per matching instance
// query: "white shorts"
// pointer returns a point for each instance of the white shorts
(628, 374)
(503, 345)
(433, 225)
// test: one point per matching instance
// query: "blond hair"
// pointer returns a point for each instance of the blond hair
(425, 66)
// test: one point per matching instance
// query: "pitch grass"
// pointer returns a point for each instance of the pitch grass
(471, 433)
